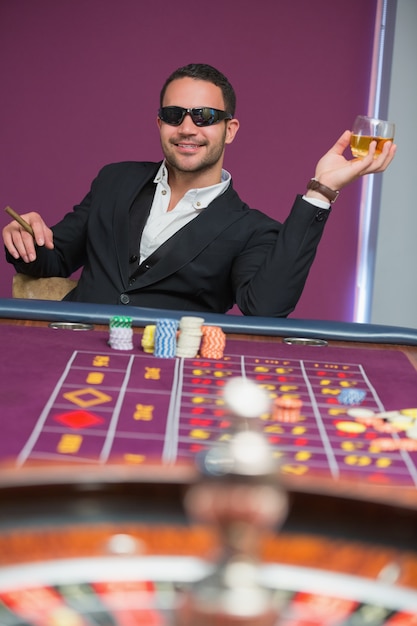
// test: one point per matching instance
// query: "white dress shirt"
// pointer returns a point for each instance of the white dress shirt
(161, 223)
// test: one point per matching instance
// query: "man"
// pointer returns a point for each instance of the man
(175, 235)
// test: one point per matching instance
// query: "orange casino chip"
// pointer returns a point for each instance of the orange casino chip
(213, 342)
(286, 408)
(387, 444)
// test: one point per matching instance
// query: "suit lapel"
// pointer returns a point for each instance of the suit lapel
(122, 205)
(188, 242)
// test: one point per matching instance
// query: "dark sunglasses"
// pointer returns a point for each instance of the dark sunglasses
(201, 116)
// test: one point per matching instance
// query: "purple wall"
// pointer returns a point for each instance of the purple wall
(80, 81)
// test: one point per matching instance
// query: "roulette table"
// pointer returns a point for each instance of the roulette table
(100, 450)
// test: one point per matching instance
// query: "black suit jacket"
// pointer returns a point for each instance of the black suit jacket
(228, 254)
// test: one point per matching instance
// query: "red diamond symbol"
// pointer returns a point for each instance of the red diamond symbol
(79, 419)
(379, 478)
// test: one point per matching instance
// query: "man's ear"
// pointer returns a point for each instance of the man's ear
(231, 130)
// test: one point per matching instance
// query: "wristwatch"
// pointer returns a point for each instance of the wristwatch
(328, 193)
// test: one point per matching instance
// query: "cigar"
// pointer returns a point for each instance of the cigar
(21, 221)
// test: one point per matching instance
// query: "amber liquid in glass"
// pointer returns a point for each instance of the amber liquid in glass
(359, 144)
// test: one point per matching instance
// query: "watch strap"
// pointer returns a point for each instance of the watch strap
(328, 193)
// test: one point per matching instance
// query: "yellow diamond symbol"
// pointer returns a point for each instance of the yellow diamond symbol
(87, 397)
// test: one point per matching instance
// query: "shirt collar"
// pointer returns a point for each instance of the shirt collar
(201, 197)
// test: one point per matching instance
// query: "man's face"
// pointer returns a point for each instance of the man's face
(190, 148)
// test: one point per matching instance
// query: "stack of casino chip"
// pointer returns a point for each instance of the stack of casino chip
(213, 342)
(121, 333)
(189, 338)
(166, 338)
(286, 408)
(148, 338)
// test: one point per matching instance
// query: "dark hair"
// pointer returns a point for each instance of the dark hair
(200, 71)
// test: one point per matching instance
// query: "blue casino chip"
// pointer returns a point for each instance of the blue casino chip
(351, 396)
(166, 338)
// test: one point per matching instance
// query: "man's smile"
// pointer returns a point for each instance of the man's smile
(187, 146)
